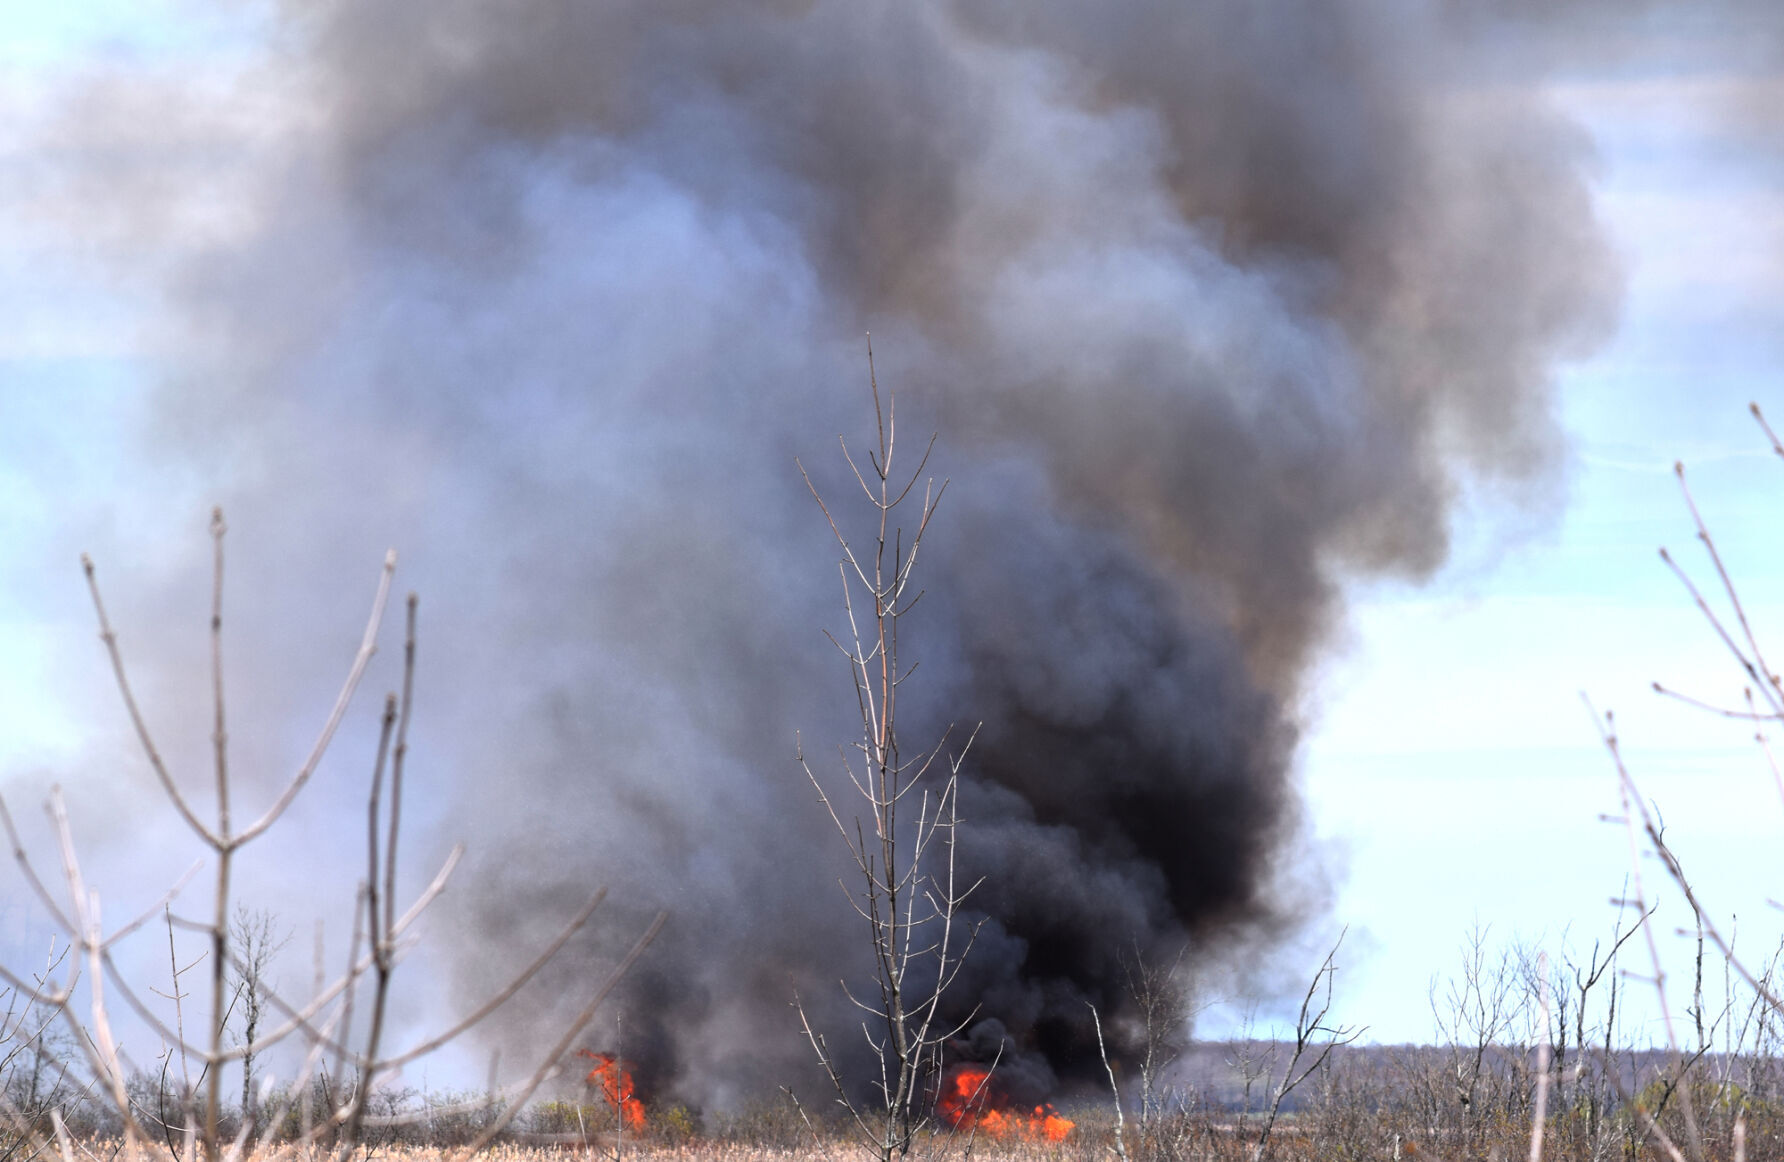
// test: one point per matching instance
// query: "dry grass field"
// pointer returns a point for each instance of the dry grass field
(1349, 1118)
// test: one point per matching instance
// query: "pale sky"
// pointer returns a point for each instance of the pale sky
(1453, 760)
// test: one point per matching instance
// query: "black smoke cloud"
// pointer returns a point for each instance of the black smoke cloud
(1214, 305)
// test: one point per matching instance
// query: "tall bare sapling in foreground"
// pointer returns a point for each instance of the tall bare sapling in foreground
(901, 830)
(322, 1026)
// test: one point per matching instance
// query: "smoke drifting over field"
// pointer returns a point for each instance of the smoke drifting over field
(1214, 304)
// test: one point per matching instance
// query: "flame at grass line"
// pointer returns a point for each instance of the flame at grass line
(615, 1083)
(968, 1101)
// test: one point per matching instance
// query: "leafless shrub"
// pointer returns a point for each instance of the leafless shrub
(189, 1113)
(905, 891)
(1162, 996)
(1682, 1087)
(257, 940)
(1315, 1039)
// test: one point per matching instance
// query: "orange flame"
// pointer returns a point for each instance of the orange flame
(968, 1101)
(615, 1083)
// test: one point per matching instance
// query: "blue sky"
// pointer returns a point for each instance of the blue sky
(1453, 761)
(1450, 766)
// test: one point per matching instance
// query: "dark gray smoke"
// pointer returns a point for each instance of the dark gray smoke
(1214, 305)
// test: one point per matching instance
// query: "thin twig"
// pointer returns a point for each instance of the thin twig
(368, 645)
(1114, 1092)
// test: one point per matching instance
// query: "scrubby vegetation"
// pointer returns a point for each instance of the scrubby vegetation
(1525, 1030)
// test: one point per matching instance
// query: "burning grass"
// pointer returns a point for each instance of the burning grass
(613, 1081)
(971, 1101)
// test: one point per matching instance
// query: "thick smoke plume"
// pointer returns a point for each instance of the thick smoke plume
(1214, 305)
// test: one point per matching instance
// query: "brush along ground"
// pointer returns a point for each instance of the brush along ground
(698, 1151)
(1348, 1126)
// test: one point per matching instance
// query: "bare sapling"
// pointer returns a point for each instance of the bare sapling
(240, 953)
(1162, 994)
(1315, 1038)
(1591, 1092)
(1114, 1090)
(1762, 706)
(1475, 1018)
(34, 1084)
(1638, 818)
(257, 940)
(901, 833)
(1539, 1112)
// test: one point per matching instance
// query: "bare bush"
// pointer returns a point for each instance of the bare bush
(337, 1096)
(1315, 1039)
(905, 889)
(1162, 996)
(1684, 1087)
